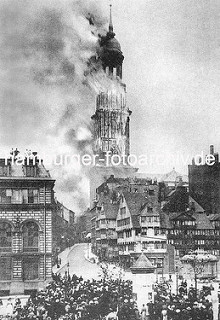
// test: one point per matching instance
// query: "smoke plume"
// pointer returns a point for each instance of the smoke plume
(47, 87)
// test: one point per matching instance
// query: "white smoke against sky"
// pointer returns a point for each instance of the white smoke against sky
(46, 100)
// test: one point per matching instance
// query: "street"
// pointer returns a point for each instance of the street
(79, 265)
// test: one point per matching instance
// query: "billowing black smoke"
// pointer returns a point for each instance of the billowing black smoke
(46, 99)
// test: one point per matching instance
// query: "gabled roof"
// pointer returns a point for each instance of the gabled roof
(175, 197)
(103, 187)
(172, 176)
(143, 264)
(135, 202)
(153, 213)
(183, 216)
(111, 210)
(197, 206)
(201, 219)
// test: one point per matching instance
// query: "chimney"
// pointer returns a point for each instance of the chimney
(216, 155)
(212, 149)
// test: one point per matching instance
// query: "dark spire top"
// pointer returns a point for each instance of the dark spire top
(110, 20)
(111, 54)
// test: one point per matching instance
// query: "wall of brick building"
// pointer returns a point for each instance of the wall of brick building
(18, 214)
(37, 216)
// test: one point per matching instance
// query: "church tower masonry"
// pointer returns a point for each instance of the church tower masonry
(112, 116)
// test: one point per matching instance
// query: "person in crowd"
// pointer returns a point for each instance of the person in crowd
(143, 312)
(72, 298)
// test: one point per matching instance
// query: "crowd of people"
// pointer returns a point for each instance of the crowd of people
(72, 298)
(186, 305)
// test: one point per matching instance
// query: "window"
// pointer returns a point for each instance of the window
(128, 234)
(3, 170)
(143, 219)
(16, 196)
(30, 268)
(123, 222)
(30, 236)
(123, 211)
(30, 171)
(160, 263)
(5, 237)
(33, 196)
(5, 268)
(120, 235)
(3, 196)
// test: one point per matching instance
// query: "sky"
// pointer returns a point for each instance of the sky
(172, 72)
(171, 69)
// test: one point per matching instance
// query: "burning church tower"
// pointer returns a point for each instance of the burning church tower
(111, 118)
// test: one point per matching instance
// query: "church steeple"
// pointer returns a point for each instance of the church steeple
(111, 119)
(112, 115)
(110, 28)
(111, 54)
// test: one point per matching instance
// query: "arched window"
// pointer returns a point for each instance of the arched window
(5, 236)
(30, 236)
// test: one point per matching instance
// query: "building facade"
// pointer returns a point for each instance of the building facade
(139, 230)
(187, 225)
(63, 228)
(26, 203)
(127, 222)
(204, 184)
